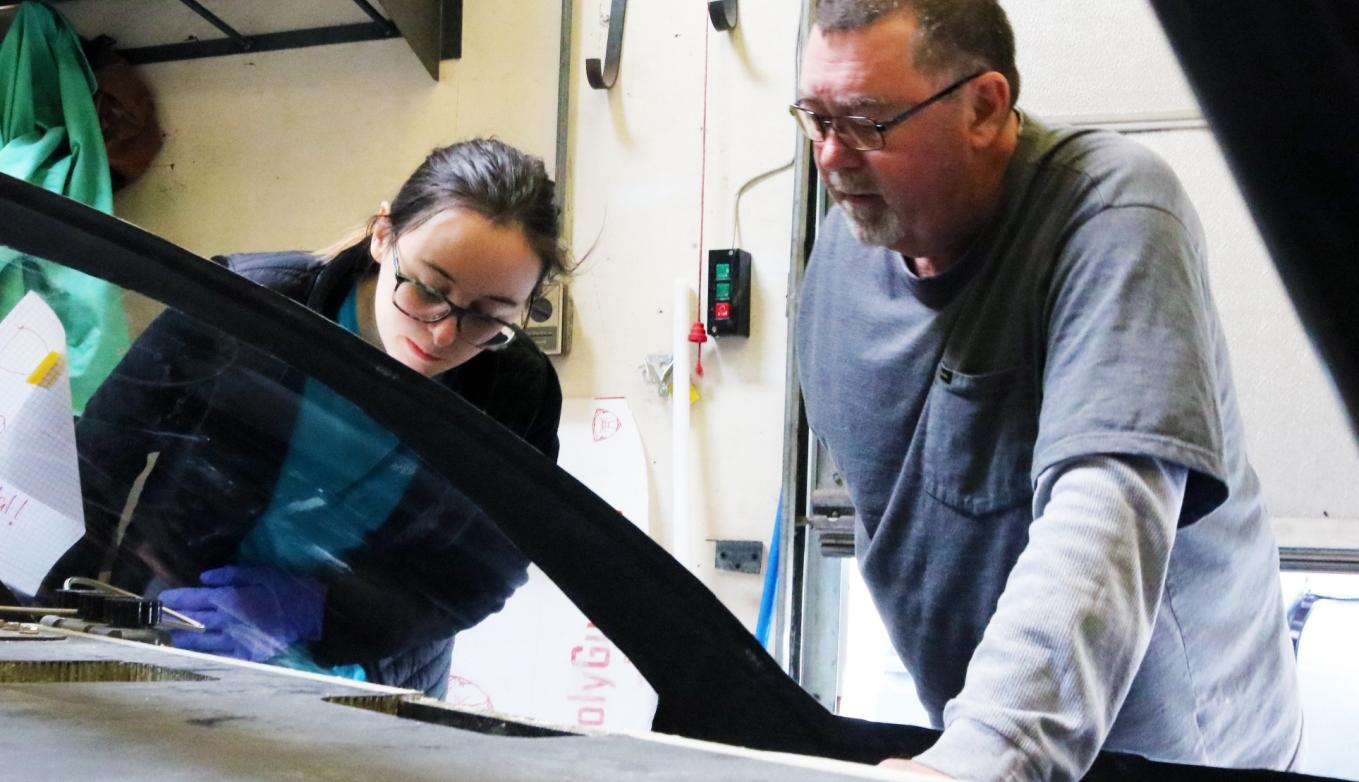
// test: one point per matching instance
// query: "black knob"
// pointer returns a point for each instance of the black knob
(131, 612)
(90, 605)
(68, 598)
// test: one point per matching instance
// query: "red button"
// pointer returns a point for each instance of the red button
(723, 309)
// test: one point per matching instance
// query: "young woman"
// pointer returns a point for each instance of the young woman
(276, 513)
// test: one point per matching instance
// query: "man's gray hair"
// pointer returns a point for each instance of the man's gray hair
(953, 37)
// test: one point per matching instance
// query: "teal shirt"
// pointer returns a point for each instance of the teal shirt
(342, 477)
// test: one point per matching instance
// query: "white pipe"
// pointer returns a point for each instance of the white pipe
(680, 532)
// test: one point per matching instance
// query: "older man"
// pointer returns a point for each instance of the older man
(1007, 341)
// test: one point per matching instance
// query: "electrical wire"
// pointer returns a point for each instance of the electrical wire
(769, 594)
(703, 164)
(736, 211)
(696, 334)
(758, 178)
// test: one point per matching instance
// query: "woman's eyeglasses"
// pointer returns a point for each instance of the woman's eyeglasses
(416, 300)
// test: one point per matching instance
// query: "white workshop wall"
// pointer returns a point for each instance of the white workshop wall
(1095, 57)
(287, 150)
(636, 159)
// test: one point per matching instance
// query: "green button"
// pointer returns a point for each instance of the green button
(723, 291)
(724, 271)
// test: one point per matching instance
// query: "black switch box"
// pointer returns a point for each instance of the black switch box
(729, 293)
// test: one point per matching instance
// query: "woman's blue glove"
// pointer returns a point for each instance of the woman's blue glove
(251, 613)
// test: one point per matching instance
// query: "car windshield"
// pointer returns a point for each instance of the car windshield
(192, 452)
(169, 425)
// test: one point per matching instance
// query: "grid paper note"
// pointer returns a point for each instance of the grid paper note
(40, 510)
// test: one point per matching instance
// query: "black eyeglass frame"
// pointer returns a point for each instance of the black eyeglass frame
(824, 123)
(508, 331)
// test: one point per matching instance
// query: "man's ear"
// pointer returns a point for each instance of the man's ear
(990, 105)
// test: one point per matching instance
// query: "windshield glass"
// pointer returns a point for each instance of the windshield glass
(240, 454)
(244, 492)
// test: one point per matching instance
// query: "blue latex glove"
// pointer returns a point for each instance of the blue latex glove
(251, 613)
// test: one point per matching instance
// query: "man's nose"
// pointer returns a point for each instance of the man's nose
(834, 154)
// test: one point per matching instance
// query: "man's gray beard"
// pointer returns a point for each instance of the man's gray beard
(880, 226)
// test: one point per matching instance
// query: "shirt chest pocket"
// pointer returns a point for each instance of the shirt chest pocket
(979, 437)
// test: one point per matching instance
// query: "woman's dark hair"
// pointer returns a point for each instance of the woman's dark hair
(495, 180)
(487, 176)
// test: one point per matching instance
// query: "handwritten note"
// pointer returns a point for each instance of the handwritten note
(40, 511)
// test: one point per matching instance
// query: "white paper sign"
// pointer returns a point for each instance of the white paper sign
(541, 657)
(602, 448)
(40, 511)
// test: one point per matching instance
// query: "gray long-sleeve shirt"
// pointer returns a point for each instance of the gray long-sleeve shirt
(1101, 539)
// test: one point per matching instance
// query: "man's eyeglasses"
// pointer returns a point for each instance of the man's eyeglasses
(416, 300)
(862, 133)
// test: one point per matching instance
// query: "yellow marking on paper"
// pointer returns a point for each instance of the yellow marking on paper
(44, 373)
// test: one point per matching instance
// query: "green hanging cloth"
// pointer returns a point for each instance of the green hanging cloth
(49, 136)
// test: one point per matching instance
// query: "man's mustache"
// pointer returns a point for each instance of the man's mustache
(850, 184)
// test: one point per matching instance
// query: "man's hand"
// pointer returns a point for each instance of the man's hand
(904, 764)
(251, 613)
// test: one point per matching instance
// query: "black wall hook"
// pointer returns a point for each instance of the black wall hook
(602, 77)
(723, 14)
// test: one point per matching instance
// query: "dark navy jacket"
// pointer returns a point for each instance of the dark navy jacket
(220, 415)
